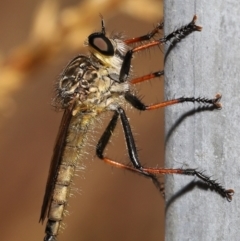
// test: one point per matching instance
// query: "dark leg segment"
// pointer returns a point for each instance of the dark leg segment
(227, 193)
(183, 31)
(102, 143)
(212, 183)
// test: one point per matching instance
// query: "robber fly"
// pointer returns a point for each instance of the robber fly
(91, 85)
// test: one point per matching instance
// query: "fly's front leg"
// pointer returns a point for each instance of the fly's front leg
(145, 37)
(176, 35)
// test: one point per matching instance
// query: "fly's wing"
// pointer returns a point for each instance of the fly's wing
(55, 163)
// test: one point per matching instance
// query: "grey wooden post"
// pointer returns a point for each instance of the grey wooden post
(203, 64)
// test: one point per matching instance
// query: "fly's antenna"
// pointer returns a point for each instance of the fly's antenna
(103, 24)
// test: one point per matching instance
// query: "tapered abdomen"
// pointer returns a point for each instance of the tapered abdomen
(70, 160)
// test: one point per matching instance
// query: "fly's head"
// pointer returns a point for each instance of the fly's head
(110, 51)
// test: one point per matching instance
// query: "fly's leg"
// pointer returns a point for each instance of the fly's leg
(176, 35)
(147, 77)
(226, 193)
(136, 103)
(131, 147)
(148, 172)
(145, 37)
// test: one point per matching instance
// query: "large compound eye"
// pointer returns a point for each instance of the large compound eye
(101, 43)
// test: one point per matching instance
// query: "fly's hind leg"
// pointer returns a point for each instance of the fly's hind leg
(145, 171)
(131, 146)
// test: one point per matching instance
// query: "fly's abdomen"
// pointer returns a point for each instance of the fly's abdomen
(59, 198)
(70, 160)
(59, 201)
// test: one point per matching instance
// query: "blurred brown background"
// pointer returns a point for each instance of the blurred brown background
(37, 39)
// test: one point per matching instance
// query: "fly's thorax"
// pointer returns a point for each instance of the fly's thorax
(103, 92)
(89, 84)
